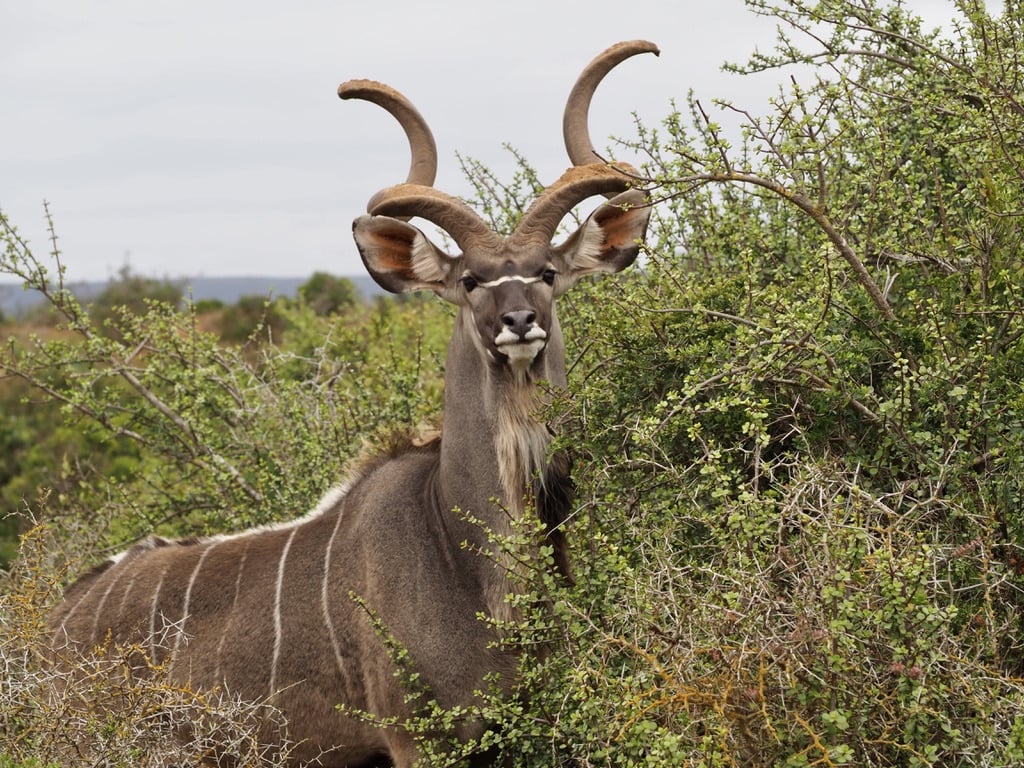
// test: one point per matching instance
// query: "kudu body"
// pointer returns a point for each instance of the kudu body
(269, 614)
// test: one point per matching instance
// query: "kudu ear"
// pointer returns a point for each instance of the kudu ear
(609, 239)
(400, 257)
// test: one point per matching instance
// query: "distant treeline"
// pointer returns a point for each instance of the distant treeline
(17, 302)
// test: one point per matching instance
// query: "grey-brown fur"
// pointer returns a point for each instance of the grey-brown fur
(269, 615)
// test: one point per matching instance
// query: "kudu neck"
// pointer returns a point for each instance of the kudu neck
(493, 439)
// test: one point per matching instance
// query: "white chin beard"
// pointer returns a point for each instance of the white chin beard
(522, 354)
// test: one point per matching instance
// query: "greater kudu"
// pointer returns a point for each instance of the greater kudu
(269, 614)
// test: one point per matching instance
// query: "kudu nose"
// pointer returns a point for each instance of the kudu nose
(519, 321)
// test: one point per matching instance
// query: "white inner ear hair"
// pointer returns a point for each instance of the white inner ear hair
(428, 264)
(587, 256)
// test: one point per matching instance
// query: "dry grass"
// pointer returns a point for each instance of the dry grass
(112, 708)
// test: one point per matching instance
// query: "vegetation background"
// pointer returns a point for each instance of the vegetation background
(798, 432)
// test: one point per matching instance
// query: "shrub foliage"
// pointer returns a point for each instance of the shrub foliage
(797, 429)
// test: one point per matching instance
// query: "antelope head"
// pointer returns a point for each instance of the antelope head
(504, 286)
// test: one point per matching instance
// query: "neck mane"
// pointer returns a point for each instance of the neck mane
(494, 449)
(520, 442)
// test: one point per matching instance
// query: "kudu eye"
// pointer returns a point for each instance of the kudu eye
(548, 276)
(468, 282)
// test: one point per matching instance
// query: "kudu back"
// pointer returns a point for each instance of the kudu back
(282, 614)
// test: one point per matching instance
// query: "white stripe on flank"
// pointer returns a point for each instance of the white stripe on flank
(234, 610)
(278, 632)
(152, 618)
(83, 598)
(124, 598)
(188, 596)
(99, 611)
(324, 598)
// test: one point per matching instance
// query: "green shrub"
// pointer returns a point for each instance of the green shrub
(130, 294)
(327, 294)
(251, 318)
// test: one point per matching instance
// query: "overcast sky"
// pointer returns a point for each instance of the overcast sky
(206, 138)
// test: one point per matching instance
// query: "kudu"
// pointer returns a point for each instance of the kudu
(269, 614)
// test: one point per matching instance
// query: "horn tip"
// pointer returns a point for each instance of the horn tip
(637, 46)
(646, 46)
(356, 89)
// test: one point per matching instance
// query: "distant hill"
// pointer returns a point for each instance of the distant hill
(15, 301)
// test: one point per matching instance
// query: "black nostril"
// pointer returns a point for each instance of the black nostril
(519, 321)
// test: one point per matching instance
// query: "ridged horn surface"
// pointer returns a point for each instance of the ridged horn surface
(575, 121)
(417, 196)
(540, 221)
(423, 167)
(451, 214)
(590, 175)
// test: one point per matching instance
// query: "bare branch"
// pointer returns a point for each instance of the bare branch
(816, 213)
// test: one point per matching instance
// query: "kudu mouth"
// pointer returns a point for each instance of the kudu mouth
(522, 335)
(521, 349)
